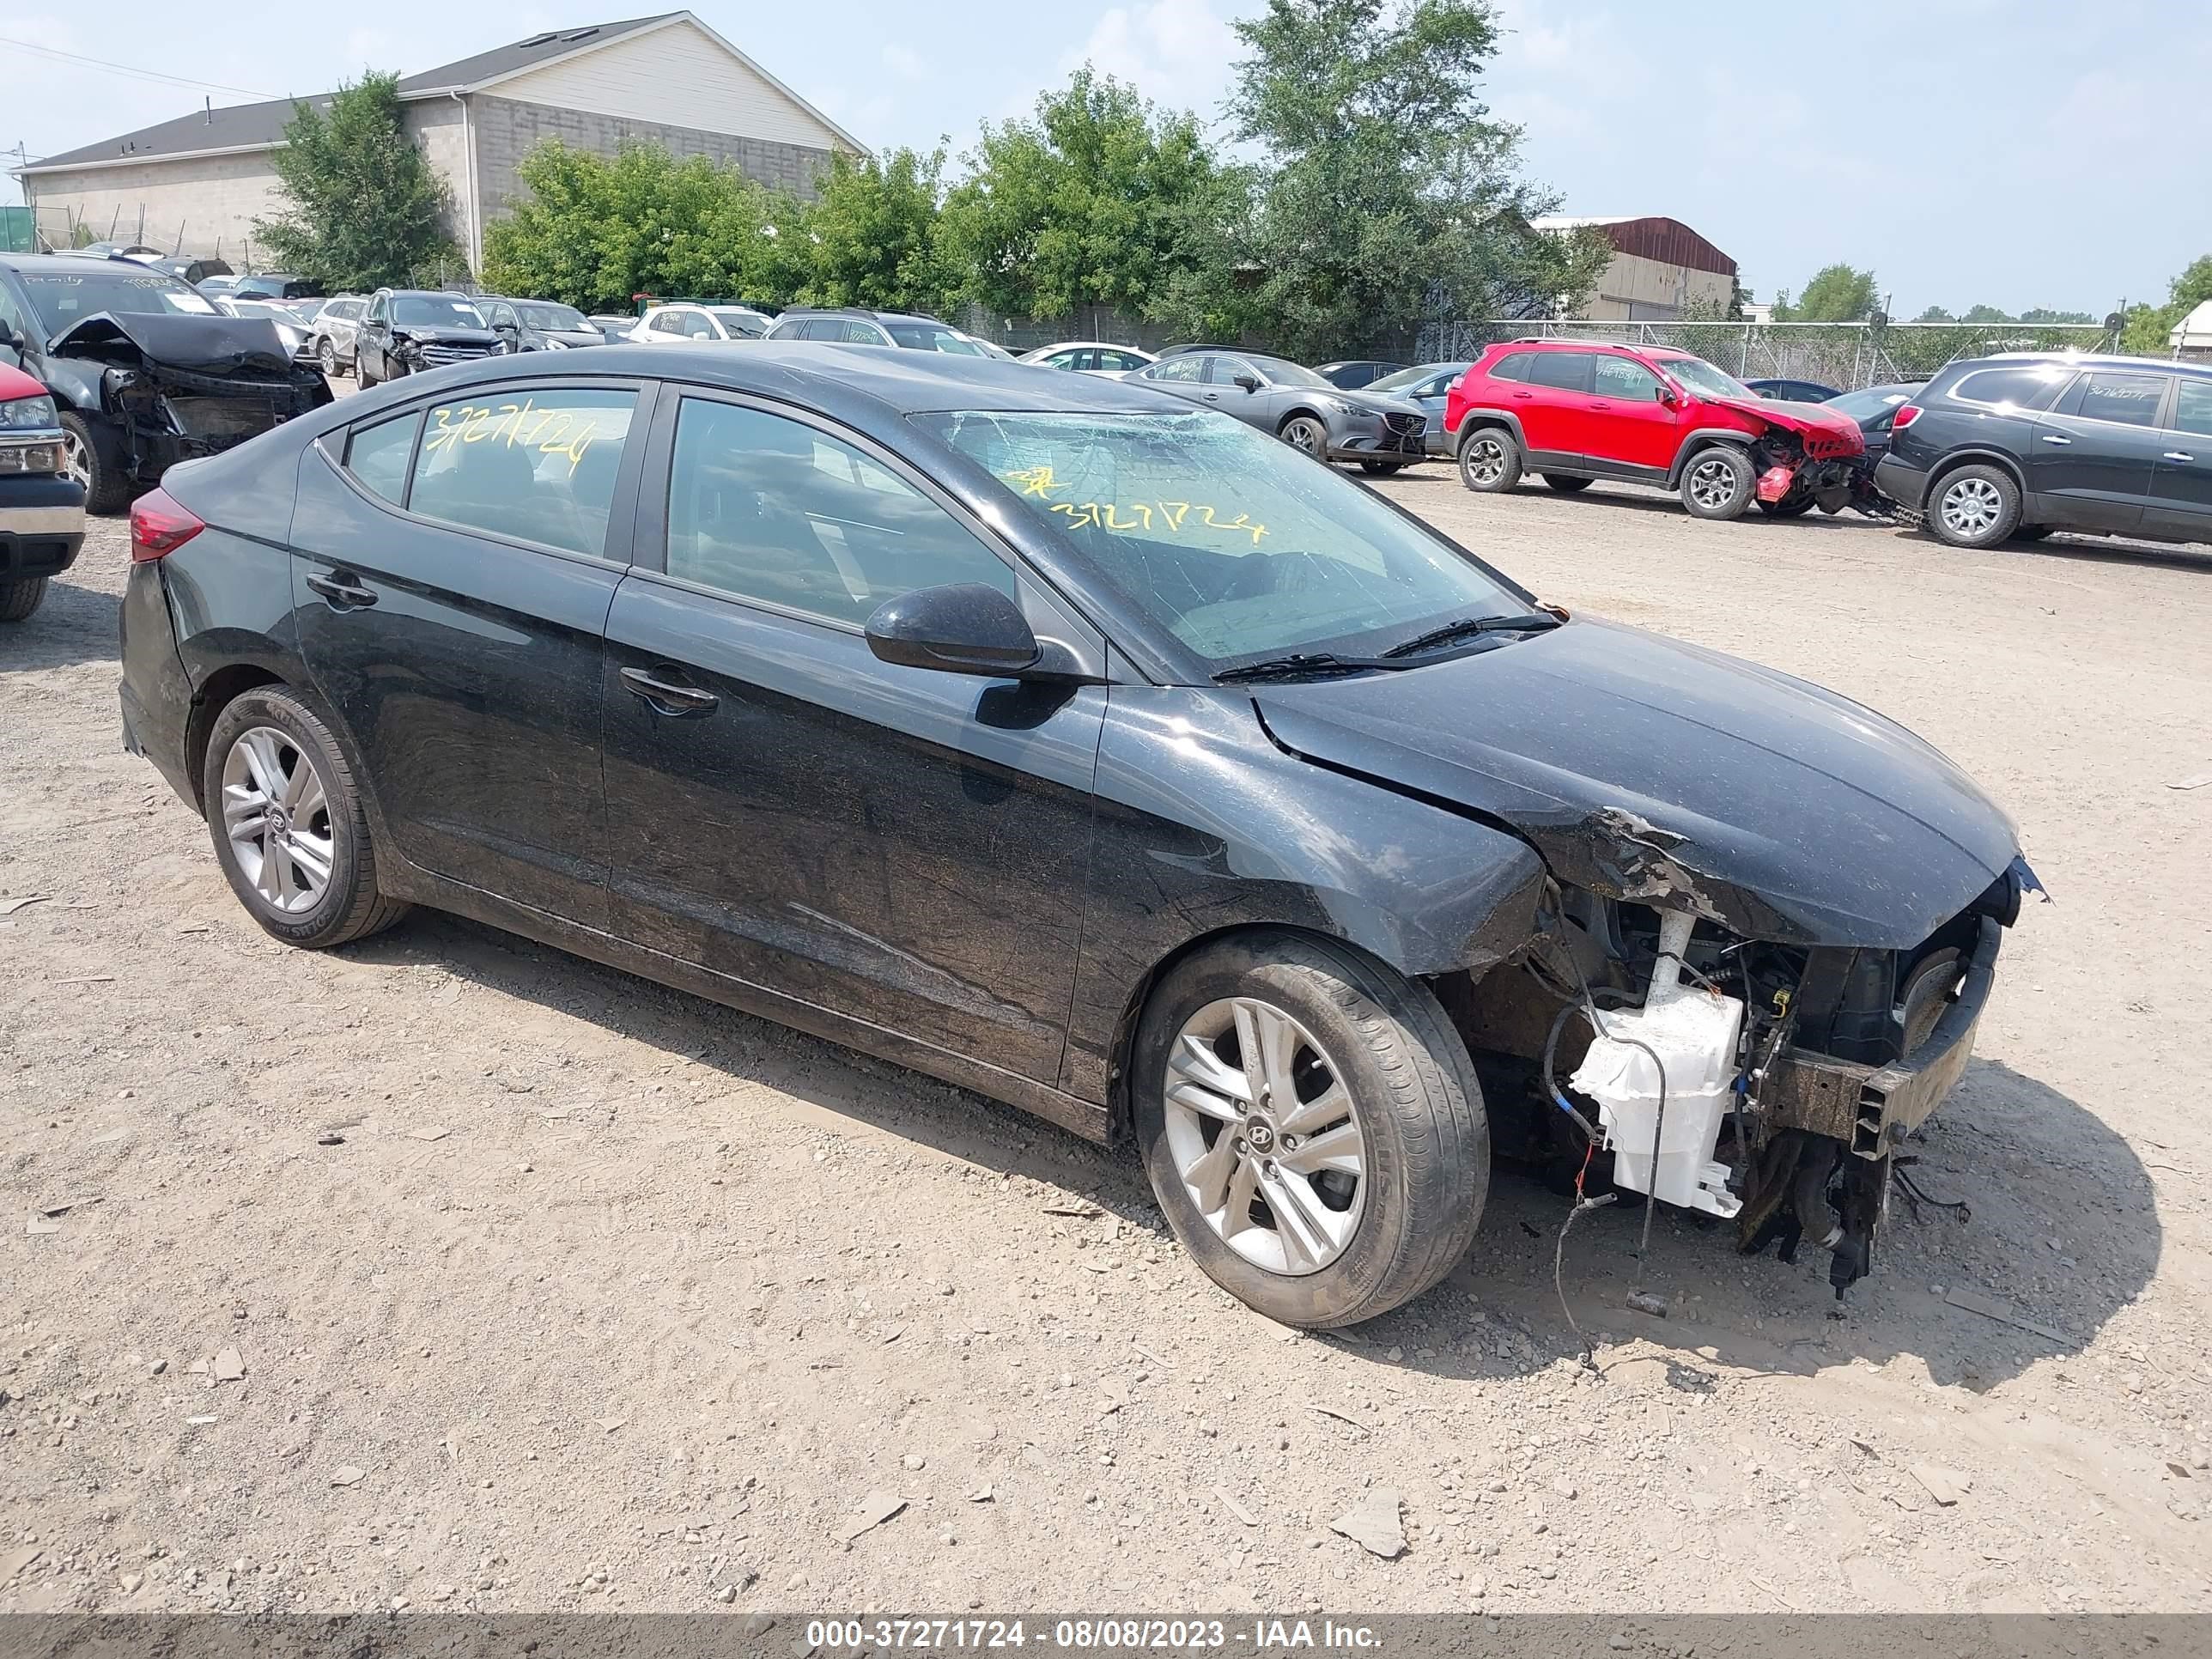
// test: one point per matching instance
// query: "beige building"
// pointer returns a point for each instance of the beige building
(1661, 269)
(195, 185)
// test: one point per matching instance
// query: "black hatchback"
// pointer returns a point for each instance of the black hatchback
(2013, 448)
(1096, 753)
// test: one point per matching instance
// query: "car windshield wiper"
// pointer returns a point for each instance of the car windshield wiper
(1304, 662)
(1469, 627)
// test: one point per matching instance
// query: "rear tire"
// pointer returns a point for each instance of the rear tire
(320, 889)
(1372, 1061)
(91, 460)
(1566, 483)
(20, 596)
(1975, 506)
(1717, 483)
(1489, 460)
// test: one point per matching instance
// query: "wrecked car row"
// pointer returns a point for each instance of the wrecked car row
(1097, 753)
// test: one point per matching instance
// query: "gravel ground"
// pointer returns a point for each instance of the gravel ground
(552, 1289)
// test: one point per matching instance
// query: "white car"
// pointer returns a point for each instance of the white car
(681, 325)
(1090, 358)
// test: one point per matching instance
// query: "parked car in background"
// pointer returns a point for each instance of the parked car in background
(1429, 388)
(270, 285)
(41, 506)
(1577, 411)
(613, 325)
(1353, 376)
(1090, 752)
(1090, 358)
(114, 251)
(1383, 434)
(1873, 409)
(144, 370)
(221, 282)
(336, 324)
(2020, 444)
(846, 326)
(411, 328)
(990, 348)
(194, 272)
(677, 325)
(538, 325)
(1795, 391)
(296, 332)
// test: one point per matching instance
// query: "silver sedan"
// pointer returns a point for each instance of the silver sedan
(1382, 433)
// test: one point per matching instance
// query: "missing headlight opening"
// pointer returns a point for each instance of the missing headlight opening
(1642, 1045)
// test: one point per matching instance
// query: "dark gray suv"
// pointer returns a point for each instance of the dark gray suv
(1381, 432)
(2016, 446)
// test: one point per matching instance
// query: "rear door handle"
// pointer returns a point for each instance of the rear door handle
(2053, 438)
(669, 697)
(1601, 405)
(2177, 455)
(1524, 396)
(343, 590)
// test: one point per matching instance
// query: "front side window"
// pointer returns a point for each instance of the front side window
(1228, 540)
(557, 319)
(1121, 360)
(698, 325)
(767, 508)
(376, 310)
(538, 466)
(378, 455)
(1624, 380)
(2192, 411)
(2125, 399)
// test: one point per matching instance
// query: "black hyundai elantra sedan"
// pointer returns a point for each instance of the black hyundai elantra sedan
(1098, 753)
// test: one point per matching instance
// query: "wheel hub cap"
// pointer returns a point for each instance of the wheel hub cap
(1712, 484)
(1264, 1136)
(277, 818)
(1970, 506)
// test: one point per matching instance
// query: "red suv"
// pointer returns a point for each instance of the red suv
(1576, 410)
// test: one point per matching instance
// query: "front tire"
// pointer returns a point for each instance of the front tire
(1718, 483)
(289, 829)
(1974, 506)
(326, 355)
(1311, 1125)
(1306, 432)
(362, 379)
(20, 596)
(1490, 461)
(1787, 509)
(89, 457)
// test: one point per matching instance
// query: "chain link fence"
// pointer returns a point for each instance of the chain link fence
(1845, 356)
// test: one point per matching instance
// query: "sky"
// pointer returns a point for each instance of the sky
(2017, 153)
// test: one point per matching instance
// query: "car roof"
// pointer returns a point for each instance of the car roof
(2092, 359)
(853, 380)
(68, 264)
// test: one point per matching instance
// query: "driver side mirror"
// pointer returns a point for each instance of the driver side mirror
(1666, 395)
(11, 340)
(1249, 382)
(961, 627)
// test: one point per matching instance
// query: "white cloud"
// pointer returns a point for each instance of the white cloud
(1175, 52)
(904, 61)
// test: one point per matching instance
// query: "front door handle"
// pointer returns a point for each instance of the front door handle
(2053, 438)
(2177, 455)
(667, 697)
(343, 590)
(1601, 405)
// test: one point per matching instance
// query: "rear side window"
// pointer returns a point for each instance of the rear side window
(2124, 399)
(538, 466)
(1563, 371)
(2019, 388)
(2192, 413)
(1513, 366)
(1177, 368)
(767, 508)
(378, 455)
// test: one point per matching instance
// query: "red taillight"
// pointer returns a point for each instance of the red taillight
(160, 526)
(1906, 415)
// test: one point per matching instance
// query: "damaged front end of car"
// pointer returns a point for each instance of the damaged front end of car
(1800, 464)
(176, 388)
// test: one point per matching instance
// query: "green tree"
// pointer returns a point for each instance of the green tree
(2044, 314)
(871, 236)
(2148, 329)
(1389, 191)
(360, 207)
(1837, 294)
(1984, 314)
(1935, 314)
(1099, 199)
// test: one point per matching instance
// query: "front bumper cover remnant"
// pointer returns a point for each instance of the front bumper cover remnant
(1868, 1107)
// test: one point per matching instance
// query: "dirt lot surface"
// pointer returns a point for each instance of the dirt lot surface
(552, 1289)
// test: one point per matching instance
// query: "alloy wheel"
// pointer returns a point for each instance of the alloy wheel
(1971, 508)
(1264, 1136)
(1486, 460)
(1712, 484)
(277, 816)
(1303, 434)
(76, 459)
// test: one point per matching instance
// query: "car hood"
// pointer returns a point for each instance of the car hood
(205, 345)
(1793, 418)
(1645, 769)
(482, 337)
(1380, 403)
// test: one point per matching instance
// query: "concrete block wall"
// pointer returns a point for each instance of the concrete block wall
(507, 132)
